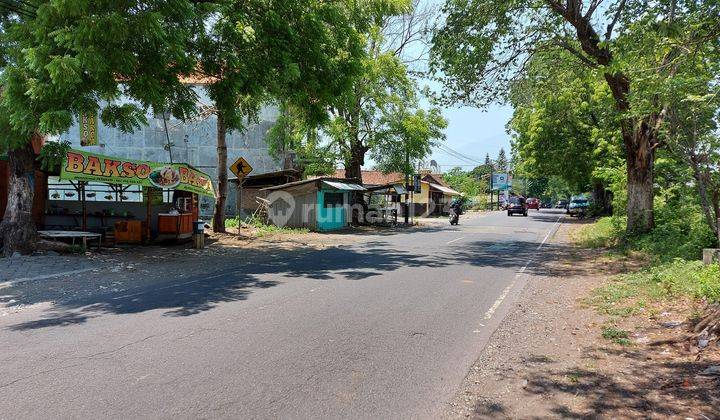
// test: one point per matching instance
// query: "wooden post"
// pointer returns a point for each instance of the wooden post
(148, 214)
(241, 183)
(84, 207)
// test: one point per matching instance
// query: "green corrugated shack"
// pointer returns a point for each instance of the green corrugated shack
(320, 204)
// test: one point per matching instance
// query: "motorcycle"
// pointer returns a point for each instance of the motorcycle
(454, 217)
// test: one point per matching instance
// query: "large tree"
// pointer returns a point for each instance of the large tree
(486, 44)
(301, 51)
(563, 124)
(380, 114)
(63, 58)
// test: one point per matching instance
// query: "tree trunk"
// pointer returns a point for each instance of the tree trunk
(601, 197)
(219, 216)
(707, 202)
(353, 167)
(639, 135)
(639, 139)
(640, 155)
(17, 229)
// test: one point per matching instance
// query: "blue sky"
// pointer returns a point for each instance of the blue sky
(474, 132)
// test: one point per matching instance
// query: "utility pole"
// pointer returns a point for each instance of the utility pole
(407, 184)
(492, 194)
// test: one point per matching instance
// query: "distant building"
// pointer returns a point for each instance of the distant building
(434, 196)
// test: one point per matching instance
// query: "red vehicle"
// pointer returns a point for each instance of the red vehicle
(533, 203)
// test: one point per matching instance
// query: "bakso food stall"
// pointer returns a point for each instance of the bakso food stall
(128, 201)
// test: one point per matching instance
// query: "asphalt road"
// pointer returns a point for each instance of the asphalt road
(383, 329)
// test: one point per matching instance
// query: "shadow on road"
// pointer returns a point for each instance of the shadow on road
(236, 280)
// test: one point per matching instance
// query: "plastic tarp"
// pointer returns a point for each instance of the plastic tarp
(344, 186)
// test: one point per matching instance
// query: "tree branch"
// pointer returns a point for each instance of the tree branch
(616, 17)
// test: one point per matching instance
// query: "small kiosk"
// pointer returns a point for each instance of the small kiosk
(125, 200)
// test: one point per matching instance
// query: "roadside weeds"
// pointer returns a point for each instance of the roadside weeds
(578, 345)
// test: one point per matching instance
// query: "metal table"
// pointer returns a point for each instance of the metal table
(73, 235)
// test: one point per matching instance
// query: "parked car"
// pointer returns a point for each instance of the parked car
(517, 205)
(561, 204)
(578, 205)
(533, 203)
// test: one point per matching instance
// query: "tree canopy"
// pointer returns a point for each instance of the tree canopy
(638, 50)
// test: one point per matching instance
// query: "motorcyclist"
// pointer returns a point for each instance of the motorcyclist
(455, 210)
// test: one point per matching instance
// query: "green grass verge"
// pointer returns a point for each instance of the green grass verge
(673, 272)
(261, 228)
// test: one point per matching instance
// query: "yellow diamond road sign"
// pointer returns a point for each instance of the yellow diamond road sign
(241, 168)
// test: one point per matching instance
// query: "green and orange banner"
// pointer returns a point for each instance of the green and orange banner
(80, 165)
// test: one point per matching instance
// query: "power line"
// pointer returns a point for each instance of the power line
(458, 155)
(455, 153)
(468, 157)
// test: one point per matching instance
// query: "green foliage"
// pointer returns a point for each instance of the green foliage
(374, 110)
(561, 126)
(618, 336)
(294, 134)
(677, 278)
(501, 163)
(79, 56)
(473, 189)
(233, 222)
(681, 232)
(465, 182)
(411, 132)
(303, 51)
(51, 155)
(261, 229)
(606, 232)
(580, 95)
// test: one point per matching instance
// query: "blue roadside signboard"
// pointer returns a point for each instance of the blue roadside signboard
(500, 181)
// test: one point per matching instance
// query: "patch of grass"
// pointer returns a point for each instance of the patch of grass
(606, 232)
(617, 335)
(629, 294)
(574, 377)
(618, 298)
(232, 222)
(262, 229)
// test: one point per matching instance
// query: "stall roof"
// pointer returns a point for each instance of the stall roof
(338, 183)
(396, 187)
(344, 186)
(268, 179)
(444, 189)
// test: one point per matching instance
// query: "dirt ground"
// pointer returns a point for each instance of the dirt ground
(549, 359)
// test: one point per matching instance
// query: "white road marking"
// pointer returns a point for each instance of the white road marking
(455, 240)
(520, 272)
(557, 222)
(499, 301)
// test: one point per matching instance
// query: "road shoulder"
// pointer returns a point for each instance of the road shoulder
(548, 358)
